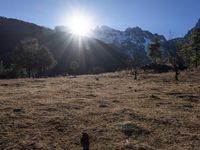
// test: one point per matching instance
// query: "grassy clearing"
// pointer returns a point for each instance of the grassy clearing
(117, 112)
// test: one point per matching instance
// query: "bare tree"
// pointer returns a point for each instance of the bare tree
(176, 60)
(137, 60)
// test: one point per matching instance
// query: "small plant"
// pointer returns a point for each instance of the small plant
(97, 78)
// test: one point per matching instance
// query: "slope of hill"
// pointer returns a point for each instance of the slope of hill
(197, 26)
(12, 31)
(183, 39)
(88, 52)
(118, 112)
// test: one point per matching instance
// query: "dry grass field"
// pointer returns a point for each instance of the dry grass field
(117, 112)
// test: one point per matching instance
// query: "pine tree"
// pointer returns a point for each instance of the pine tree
(154, 50)
(191, 49)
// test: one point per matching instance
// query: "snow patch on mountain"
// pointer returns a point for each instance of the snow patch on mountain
(129, 39)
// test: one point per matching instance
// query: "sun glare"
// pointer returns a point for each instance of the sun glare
(80, 25)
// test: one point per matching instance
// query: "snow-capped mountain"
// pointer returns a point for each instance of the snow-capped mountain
(133, 39)
(130, 39)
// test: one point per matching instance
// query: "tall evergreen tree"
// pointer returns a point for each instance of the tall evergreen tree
(154, 50)
(191, 49)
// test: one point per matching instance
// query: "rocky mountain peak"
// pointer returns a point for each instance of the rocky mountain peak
(134, 29)
(195, 27)
(198, 24)
(130, 39)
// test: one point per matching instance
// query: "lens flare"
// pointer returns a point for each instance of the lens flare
(80, 24)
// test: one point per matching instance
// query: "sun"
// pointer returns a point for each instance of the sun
(80, 24)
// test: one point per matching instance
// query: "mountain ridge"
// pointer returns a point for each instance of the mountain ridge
(134, 35)
(65, 47)
(117, 42)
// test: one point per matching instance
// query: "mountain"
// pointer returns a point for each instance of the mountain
(130, 39)
(170, 45)
(90, 53)
(135, 38)
(12, 31)
(106, 49)
(197, 26)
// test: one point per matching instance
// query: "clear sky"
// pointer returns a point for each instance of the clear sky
(157, 16)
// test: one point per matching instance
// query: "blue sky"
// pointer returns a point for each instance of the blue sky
(157, 16)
